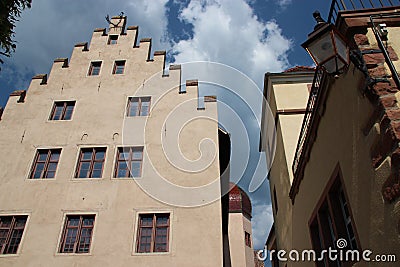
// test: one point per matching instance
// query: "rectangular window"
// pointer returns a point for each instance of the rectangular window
(112, 39)
(275, 202)
(11, 230)
(119, 67)
(45, 163)
(138, 106)
(153, 233)
(77, 234)
(332, 221)
(91, 162)
(94, 69)
(247, 238)
(62, 110)
(129, 162)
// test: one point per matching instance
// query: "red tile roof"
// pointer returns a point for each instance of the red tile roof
(300, 69)
(239, 201)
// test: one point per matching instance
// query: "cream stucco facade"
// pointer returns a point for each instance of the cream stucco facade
(180, 147)
(244, 255)
(286, 95)
(344, 183)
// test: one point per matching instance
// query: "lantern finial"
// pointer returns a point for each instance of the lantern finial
(320, 21)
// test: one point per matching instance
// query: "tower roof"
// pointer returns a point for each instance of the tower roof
(239, 201)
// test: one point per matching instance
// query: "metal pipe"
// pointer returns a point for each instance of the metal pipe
(392, 68)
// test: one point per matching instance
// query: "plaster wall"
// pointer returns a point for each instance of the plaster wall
(99, 119)
(241, 255)
(341, 142)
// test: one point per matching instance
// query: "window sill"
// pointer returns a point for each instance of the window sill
(75, 179)
(73, 254)
(9, 255)
(41, 179)
(125, 178)
(138, 116)
(152, 254)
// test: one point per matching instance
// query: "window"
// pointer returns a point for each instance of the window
(138, 106)
(153, 233)
(332, 221)
(45, 163)
(91, 162)
(62, 110)
(119, 67)
(247, 238)
(11, 230)
(77, 234)
(129, 162)
(112, 39)
(94, 69)
(275, 202)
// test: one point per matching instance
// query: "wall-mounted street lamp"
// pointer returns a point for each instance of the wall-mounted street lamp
(327, 47)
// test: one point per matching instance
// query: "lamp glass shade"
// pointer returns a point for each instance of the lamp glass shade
(322, 48)
(334, 65)
(342, 48)
(328, 49)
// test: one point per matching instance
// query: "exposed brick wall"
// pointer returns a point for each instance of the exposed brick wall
(258, 263)
(388, 119)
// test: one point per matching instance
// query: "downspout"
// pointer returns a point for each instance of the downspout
(392, 68)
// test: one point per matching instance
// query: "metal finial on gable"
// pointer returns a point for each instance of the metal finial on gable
(121, 15)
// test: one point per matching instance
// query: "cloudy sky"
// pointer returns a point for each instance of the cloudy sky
(252, 36)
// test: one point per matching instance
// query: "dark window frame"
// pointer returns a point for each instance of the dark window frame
(92, 161)
(79, 239)
(64, 107)
(275, 204)
(154, 232)
(14, 233)
(326, 224)
(119, 67)
(247, 238)
(130, 160)
(45, 171)
(112, 39)
(140, 100)
(95, 68)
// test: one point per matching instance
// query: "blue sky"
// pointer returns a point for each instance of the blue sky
(252, 36)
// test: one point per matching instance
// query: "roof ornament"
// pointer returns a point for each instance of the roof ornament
(121, 15)
(320, 21)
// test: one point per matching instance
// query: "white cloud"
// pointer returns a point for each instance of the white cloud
(284, 3)
(227, 31)
(51, 27)
(151, 16)
(261, 223)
